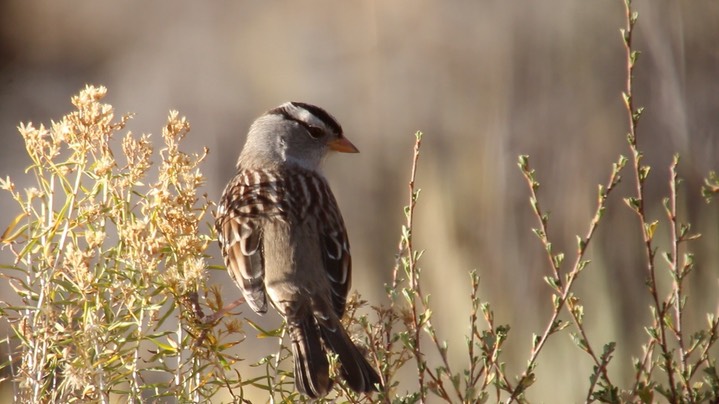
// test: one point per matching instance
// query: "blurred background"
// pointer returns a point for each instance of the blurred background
(484, 80)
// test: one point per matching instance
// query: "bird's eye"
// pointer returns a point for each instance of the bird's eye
(315, 132)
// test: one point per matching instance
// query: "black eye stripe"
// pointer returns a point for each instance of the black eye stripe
(313, 130)
(322, 115)
(318, 112)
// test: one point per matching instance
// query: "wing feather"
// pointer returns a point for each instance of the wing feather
(240, 238)
(337, 258)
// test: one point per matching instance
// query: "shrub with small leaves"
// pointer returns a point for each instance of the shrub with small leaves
(105, 259)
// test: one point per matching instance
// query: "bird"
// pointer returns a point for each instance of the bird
(283, 240)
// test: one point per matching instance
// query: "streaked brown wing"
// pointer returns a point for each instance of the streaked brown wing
(337, 259)
(240, 238)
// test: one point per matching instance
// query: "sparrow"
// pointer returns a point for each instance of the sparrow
(283, 240)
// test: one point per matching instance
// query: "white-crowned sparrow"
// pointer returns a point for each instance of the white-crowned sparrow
(283, 238)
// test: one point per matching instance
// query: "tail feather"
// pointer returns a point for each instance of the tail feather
(360, 375)
(311, 366)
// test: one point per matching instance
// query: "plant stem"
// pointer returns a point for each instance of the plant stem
(637, 203)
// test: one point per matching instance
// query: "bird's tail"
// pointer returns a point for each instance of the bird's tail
(312, 375)
(360, 375)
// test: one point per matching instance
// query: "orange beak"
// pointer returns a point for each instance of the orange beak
(343, 145)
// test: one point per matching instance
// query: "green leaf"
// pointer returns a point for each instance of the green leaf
(626, 98)
(559, 325)
(649, 229)
(581, 243)
(525, 382)
(638, 113)
(632, 202)
(556, 301)
(553, 282)
(523, 162)
(579, 341)
(583, 264)
(535, 340)
(424, 317)
(644, 173)
(7, 237)
(539, 233)
(163, 346)
(262, 333)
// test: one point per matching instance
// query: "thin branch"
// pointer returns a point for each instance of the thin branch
(677, 271)
(636, 203)
(564, 289)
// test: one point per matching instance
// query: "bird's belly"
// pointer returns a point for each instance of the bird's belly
(294, 268)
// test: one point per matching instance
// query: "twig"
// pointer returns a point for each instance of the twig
(211, 319)
(407, 250)
(564, 289)
(637, 203)
(678, 273)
